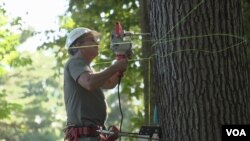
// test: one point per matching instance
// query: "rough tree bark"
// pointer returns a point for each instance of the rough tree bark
(200, 73)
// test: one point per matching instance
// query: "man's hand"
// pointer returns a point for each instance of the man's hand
(102, 137)
(121, 65)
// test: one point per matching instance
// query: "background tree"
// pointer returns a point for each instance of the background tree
(10, 59)
(200, 71)
(41, 115)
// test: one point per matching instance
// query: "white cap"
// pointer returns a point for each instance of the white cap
(75, 34)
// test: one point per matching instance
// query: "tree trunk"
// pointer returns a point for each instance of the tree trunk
(149, 98)
(200, 72)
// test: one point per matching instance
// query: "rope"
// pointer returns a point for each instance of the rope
(185, 50)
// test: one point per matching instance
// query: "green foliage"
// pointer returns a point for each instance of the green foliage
(29, 105)
(26, 34)
(10, 58)
(8, 43)
(42, 114)
(37, 136)
(5, 107)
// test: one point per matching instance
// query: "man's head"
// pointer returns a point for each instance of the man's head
(84, 40)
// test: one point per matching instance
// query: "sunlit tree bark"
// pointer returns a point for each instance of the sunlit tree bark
(200, 70)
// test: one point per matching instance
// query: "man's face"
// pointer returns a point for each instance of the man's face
(90, 44)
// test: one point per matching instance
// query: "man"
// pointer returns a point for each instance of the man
(84, 100)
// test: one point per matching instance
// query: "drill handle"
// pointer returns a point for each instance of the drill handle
(120, 57)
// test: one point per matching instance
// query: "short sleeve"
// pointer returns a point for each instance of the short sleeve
(77, 67)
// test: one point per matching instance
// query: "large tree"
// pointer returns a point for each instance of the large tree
(200, 67)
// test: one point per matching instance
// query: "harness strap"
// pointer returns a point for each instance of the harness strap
(73, 133)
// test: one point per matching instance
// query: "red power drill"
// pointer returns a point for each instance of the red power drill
(120, 43)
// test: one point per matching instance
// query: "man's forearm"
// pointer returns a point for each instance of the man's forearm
(111, 82)
(97, 80)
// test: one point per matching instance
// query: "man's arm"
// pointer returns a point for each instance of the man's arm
(111, 82)
(93, 81)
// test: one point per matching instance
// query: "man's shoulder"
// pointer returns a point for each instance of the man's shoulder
(76, 60)
(76, 66)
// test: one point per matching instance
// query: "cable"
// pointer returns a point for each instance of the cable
(120, 107)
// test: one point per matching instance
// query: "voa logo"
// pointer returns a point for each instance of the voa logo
(236, 132)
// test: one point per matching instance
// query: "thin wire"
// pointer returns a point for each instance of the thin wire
(141, 34)
(87, 46)
(181, 38)
(120, 43)
(132, 135)
(167, 40)
(149, 90)
(184, 18)
(200, 36)
(141, 137)
(200, 50)
(189, 37)
(120, 107)
(179, 51)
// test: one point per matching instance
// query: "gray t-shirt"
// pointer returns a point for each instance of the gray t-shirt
(83, 107)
